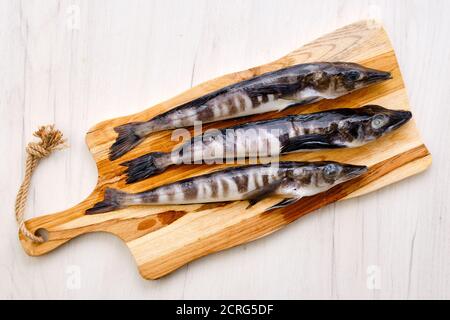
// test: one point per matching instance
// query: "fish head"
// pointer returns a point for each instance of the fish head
(333, 173)
(359, 126)
(327, 174)
(379, 121)
(345, 77)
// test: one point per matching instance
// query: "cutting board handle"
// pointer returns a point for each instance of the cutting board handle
(55, 229)
(128, 224)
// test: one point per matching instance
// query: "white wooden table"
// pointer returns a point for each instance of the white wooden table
(75, 63)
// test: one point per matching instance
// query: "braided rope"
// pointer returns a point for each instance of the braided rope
(50, 139)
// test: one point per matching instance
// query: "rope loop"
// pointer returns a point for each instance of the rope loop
(50, 139)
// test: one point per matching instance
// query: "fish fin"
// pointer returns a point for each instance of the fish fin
(254, 197)
(145, 166)
(300, 102)
(126, 140)
(306, 101)
(272, 88)
(283, 203)
(112, 201)
(309, 142)
(293, 102)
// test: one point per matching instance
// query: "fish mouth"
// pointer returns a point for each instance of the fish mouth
(353, 171)
(377, 76)
(399, 118)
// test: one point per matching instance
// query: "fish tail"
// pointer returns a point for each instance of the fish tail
(147, 165)
(113, 200)
(127, 139)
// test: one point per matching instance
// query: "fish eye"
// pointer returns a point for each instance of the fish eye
(330, 170)
(379, 121)
(352, 75)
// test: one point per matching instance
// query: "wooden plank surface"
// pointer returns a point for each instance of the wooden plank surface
(164, 238)
(78, 76)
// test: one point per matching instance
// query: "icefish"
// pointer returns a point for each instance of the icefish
(289, 180)
(273, 91)
(338, 128)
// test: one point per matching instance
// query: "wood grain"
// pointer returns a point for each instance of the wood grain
(162, 239)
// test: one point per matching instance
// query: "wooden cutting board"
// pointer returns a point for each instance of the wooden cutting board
(164, 238)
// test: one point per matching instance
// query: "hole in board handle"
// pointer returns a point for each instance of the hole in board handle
(43, 233)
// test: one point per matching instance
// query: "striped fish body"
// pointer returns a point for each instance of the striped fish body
(273, 91)
(228, 185)
(254, 139)
(339, 128)
(290, 180)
